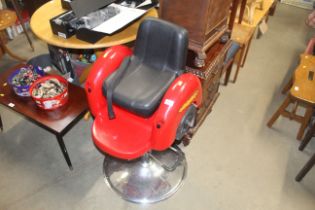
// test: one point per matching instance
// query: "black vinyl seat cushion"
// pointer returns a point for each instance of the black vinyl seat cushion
(141, 89)
(140, 82)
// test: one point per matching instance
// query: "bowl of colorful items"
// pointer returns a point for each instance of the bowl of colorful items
(50, 92)
(22, 78)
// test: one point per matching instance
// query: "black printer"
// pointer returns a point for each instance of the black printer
(86, 15)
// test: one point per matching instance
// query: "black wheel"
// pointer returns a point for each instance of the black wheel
(187, 122)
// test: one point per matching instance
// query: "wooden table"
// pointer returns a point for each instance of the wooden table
(57, 122)
(41, 27)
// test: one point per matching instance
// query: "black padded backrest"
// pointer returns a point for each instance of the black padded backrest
(162, 45)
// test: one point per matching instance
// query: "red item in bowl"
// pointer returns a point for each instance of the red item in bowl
(50, 92)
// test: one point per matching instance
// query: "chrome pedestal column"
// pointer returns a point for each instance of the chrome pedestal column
(154, 177)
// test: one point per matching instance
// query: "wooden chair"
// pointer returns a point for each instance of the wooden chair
(310, 51)
(234, 48)
(292, 115)
(229, 60)
(302, 93)
(242, 35)
(7, 19)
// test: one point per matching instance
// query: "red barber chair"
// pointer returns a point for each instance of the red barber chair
(142, 102)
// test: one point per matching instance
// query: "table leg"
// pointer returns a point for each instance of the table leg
(228, 72)
(64, 150)
(305, 169)
(243, 59)
(307, 138)
(18, 13)
(1, 125)
(239, 62)
(306, 120)
(259, 33)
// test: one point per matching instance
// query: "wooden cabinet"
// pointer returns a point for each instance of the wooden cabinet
(210, 76)
(205, 20)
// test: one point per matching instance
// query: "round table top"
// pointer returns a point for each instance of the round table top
(40, 25)
(7, 18)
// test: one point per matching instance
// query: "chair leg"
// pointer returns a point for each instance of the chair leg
(273, 8)
(279, 111)
(305, 169)
(227, 74)
(287, 87)
(307, 117)
(239, 63)
(246, 51)
(1, 125)
(307, 138)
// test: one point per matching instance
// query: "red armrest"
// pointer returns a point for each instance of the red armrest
(106, 64)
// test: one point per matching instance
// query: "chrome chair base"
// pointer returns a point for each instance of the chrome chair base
(154, 177)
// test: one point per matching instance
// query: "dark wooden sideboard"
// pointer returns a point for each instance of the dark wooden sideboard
(205, 20)
(210, 76)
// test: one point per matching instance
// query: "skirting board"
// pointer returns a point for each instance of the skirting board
(305, 4)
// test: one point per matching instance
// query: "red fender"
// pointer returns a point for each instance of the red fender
(183, 92)
(106, 64)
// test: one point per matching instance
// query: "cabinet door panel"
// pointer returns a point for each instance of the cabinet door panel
(186, 13)
(218, 12)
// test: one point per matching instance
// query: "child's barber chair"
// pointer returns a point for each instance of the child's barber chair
(142, 102)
